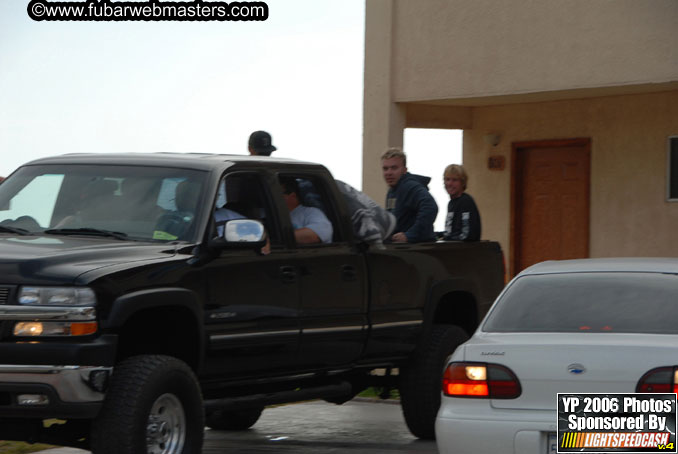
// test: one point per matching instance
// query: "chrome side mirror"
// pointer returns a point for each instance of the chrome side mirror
(244, 231)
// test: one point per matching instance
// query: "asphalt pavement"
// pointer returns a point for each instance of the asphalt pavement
(357, 427)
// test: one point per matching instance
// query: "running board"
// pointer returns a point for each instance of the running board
(334, 393)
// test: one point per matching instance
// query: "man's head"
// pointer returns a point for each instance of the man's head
(455, 179)
(186, 195)
(260, 144)
(393, 165)
(290, 192)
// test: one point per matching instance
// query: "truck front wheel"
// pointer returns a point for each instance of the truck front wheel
(153, 405)
(421, 379)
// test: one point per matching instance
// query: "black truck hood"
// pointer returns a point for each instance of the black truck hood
(53, 260)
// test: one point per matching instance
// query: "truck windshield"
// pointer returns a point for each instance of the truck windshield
(125, 202)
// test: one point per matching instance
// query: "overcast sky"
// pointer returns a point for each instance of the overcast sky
(194, 87)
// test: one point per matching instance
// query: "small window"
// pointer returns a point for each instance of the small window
(672, 177)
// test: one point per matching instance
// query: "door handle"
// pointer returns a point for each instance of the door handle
(288, 274)
(348, 272)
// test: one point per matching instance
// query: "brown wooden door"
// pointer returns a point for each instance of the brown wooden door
(550, 201)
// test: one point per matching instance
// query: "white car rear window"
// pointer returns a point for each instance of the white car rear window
(588, 302)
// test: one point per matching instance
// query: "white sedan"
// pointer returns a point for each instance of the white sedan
(575, 326)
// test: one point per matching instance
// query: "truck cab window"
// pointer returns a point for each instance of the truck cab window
(242, 196)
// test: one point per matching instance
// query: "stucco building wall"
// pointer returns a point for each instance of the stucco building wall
(459, 48)
(629, 212)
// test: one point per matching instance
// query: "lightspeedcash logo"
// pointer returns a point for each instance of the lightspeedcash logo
(637, 422)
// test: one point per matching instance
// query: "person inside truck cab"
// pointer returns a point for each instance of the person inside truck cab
(310, 224)
(222, 215)
(408, 199)
(177, 223)
(91, 204)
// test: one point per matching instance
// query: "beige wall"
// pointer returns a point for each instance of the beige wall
(629, 212)
(384, 120)
(463, 49)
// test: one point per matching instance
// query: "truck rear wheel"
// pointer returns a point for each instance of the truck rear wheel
(233, 420)
(153, 405)
(421, 380)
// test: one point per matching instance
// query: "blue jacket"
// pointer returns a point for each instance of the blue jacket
(414, 207)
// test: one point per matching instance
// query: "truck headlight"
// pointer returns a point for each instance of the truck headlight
(37, 329)
(57, 296)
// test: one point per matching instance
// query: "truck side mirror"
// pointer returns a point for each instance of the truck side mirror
(244, 230)
(241, 233)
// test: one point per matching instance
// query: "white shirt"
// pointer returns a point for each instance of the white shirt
(314, 219)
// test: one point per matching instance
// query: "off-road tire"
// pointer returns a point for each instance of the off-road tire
(421, 379)
(139, 386)
(233, 420)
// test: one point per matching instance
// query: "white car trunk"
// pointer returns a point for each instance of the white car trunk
(547, 364)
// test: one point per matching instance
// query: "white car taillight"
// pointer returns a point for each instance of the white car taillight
(659, 380)
(480, 380)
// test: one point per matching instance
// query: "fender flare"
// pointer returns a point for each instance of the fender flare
(126, 306)
(441, 288)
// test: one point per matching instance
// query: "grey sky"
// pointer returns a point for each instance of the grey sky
(185, 86)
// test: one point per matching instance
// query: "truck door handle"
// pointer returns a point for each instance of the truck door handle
(288, 274)
(348, 272)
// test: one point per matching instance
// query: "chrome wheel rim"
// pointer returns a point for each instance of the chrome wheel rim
(166, 427)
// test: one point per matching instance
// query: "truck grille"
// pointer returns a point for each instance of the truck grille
(4, 295)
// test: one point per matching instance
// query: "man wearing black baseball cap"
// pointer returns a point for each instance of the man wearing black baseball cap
(260, 144)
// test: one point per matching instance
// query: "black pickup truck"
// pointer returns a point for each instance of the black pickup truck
(130, 317)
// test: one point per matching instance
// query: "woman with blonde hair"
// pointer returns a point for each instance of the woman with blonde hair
(463, 220)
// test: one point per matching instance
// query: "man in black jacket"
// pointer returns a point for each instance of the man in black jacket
(408, 199)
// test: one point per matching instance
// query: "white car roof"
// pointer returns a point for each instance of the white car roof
(616, 264)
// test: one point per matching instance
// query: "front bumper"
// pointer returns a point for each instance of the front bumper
(70, 391)
(71, 376)
(53, 378)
